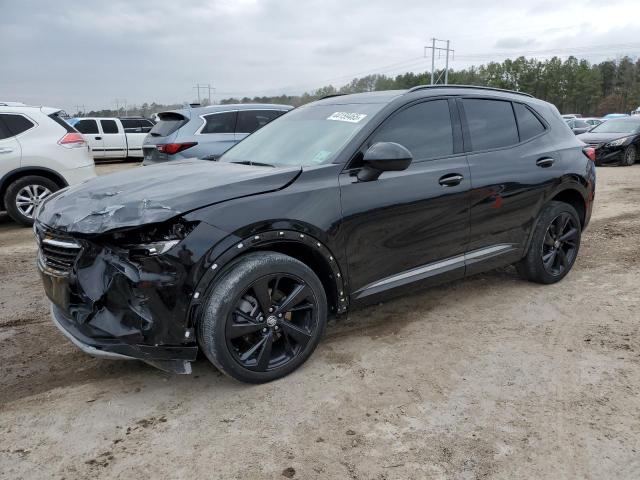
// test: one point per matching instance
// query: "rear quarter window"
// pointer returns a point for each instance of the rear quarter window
(491, 123)
(224, 122)
(529, 125)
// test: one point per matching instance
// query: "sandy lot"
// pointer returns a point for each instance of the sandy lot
(490, 377)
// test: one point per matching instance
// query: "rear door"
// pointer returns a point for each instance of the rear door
(135, 135)
(217, 133)
(10, 150)
(89, 128)
(115, 142)
(512, 164)
(414, 224)
(251, 120)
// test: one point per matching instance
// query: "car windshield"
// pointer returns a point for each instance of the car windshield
(617, 126)
(309, 135)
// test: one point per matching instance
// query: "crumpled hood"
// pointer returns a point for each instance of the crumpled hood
(601, 137)
(156, 193)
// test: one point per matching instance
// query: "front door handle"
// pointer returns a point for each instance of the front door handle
(450, 179)
(5, 150)
(98, 138)
(545, 162)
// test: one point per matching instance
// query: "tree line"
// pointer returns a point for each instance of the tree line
(573, 85)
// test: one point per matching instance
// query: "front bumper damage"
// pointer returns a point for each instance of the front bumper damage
(170, 359)
(112, 306)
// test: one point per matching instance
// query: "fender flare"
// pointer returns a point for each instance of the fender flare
(217, 265)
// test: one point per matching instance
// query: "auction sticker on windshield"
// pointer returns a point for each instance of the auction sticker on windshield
(346, 117)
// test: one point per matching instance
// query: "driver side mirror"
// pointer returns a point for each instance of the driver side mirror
(384, 157)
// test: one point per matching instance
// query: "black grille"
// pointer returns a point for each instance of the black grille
(57, 252)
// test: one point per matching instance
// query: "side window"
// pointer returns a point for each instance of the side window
(528, 124)
(251, 120)
(4, 130)
(424, 129)
(220, 123)
(129, 125)
(16, 124)
(491, 123)
(146, 126)
(109, 126)
(87, 126)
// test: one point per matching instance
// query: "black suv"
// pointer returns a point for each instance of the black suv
(333, 205)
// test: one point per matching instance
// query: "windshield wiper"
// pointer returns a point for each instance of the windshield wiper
(258, 164)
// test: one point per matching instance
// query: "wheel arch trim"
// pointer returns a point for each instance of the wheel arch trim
(257, 242)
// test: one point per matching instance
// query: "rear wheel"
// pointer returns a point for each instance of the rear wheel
(630, 156)
(554, 246)
(264, 317)
(25, 194)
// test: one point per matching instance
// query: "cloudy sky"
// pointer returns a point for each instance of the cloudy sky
(66, 52)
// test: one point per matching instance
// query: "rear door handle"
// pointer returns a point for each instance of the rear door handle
(5, 150)
(98, 138)
(545, 162)
(450, 179)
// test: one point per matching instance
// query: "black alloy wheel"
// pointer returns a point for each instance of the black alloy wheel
(264, 316)
(560, 244)
(554, 245)
(273, 320)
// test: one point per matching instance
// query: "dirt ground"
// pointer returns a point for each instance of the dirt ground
(490, 377)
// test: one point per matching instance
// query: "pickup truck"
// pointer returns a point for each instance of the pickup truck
(113, 137)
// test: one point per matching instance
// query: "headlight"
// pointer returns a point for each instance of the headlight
(152, 240)
(618, 142)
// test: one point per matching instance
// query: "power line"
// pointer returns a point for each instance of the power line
(433, 49)
(206, 87)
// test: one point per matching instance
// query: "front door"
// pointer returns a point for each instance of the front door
(414, 224)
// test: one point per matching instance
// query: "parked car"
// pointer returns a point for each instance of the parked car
(578, 125)
(205, 132)
(39, 154)
(615, 141)
(567, 116)
(114, 137)
(593, 121)
(615, 115)
(339, 203)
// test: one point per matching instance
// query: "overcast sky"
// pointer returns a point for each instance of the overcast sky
(65, 52)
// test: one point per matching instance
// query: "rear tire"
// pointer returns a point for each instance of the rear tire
(25, 194)
(630, 155)
(264, 317)
(554, 246)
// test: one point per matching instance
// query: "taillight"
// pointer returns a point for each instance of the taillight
(590, 152)
(171, 148)
(72, 139)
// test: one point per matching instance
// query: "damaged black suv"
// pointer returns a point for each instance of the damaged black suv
(333, 205)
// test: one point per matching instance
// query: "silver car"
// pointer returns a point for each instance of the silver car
(205, 132)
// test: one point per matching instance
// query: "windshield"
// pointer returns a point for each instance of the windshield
(309, 135)
(617, 126)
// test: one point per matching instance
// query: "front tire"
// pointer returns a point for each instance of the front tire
(25, 194)
(264, 317)
(554, 245)
(630, 155)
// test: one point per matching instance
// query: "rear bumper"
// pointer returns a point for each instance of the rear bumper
(78, 175)
(168, 358)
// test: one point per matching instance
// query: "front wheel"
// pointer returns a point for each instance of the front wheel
(264, 317)
(630, 155)
(554, 245)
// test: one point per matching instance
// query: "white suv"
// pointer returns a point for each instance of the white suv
(39, 154)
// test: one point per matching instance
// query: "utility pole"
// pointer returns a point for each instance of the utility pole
(84, 109)
(207, 87)
(433, 49)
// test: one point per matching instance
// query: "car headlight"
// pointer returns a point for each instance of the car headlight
(152, 240)
(618, 142)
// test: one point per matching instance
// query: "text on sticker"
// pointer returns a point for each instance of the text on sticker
(346, 117)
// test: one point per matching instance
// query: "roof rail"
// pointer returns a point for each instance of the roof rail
(425, 87)
(12, 104)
